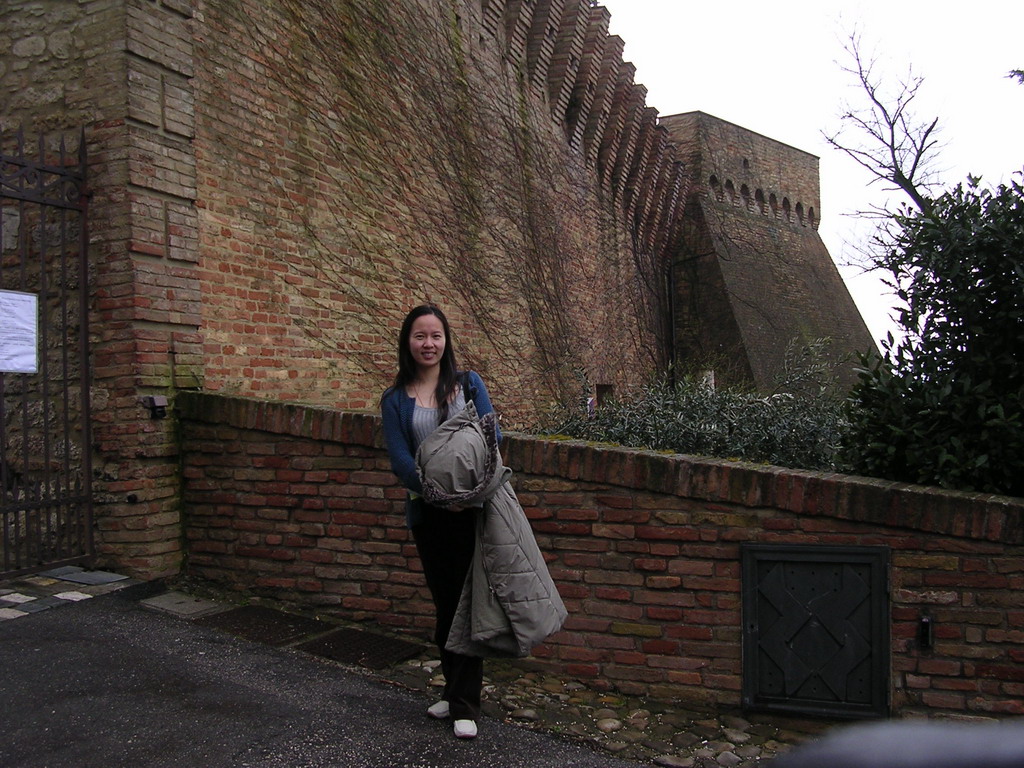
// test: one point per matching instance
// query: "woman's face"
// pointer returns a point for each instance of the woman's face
(426, 341)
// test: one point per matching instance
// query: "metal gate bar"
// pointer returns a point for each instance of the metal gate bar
(45, 441)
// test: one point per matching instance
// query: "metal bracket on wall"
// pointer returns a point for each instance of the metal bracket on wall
(157, 405)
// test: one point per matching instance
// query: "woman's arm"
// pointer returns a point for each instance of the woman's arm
(481, 399)
(403, 463)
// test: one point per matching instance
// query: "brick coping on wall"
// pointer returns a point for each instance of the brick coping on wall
(979, 516)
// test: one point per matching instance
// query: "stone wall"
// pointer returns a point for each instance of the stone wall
(299, 504)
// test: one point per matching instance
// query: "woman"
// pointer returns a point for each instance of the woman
(428, 389)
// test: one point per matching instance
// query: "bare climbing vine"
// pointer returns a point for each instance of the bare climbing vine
(409, 149)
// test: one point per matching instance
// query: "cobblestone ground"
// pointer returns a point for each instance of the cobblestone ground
(650, 732)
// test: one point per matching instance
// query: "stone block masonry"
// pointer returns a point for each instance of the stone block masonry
(298, 503)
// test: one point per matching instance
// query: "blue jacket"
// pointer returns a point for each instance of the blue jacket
(396, 410)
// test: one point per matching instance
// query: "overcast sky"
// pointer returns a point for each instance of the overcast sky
(775, 68)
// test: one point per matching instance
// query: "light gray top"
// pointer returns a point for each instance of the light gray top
(425, 420)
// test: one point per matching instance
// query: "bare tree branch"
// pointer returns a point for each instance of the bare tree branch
(887, 140)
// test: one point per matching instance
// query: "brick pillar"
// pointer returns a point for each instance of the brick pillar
(146, 312)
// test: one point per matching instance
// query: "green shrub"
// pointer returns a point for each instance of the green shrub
(945, 405)
(793, 430)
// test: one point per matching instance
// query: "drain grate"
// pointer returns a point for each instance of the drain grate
(263, 625)
(354, 646)
(348, 646)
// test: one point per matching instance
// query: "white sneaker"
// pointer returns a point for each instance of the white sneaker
(438, 710)
(465, 729)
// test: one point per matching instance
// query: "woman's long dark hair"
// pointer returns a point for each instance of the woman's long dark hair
(448, 373)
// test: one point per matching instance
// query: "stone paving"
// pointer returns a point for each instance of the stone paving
(24, 596)
(652, 733)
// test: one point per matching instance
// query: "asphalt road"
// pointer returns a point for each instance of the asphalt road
(107, 683)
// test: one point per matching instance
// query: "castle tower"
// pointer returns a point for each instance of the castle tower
(754, 278)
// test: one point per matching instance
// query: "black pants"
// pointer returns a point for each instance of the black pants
(445, 542)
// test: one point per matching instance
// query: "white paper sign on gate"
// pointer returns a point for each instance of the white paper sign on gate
(19, 332)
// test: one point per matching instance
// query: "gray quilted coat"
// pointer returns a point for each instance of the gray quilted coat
(509, 603)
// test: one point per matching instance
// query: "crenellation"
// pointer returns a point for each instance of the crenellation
(758, 204)
(764, 164)
(730, 193)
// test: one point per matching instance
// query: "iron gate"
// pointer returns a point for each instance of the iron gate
(45, 466)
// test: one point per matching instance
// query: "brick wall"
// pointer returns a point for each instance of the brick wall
(274, 185)
(298, 503)
(419, 161)
(754, 276)
(263, 211)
